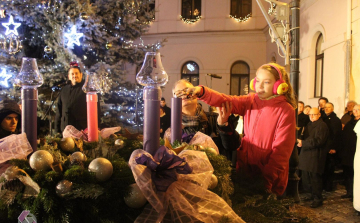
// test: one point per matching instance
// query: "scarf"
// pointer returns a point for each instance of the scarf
(195, 123)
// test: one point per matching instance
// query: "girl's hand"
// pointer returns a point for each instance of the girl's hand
(188, 92)
(224, 112)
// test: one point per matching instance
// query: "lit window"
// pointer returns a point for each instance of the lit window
(190, 72)
(319, 67)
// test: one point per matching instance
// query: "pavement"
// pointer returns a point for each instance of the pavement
(334, 209)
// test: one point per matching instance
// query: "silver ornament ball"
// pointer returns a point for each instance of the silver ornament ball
(63, 187)
(67, 144)
(102, 168)
(120, 142)
(41, 160)
(135, 199)
(214, 182)
(47, 49)
(78, 156)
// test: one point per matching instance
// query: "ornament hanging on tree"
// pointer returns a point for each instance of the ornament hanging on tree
(47, 49)
(41, 160)
(214, 182)
(108, 45)
(67, 144)
(135, 199)
(5, 77)
(15, 25)
(84, 16)
(79, 156)
(102, 168)
(63, 187)
(73, 37)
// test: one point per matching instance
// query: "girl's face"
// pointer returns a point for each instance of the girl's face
(264, 83)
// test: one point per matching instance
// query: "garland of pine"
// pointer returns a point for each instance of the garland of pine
(92, 201)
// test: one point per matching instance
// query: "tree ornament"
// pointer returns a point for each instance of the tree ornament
(15, 25)
(63, 187)
(214, 182)
(73, 38)
(11, 172)
(78, 156)
(41, 160)
(67, 144)
(47, 49)
(84, 16)
(5, 79)
(135, 199)
(120, 143)
(102, 168)
(108, 45)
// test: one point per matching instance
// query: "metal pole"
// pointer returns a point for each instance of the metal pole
(292, 188)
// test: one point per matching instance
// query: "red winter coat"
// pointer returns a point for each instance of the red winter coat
(269, 135)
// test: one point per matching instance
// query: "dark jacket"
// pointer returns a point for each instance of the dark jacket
(334, 125)
(313, 153)
(346, 118)
(72, 108)
(164, 124)
(303, 120)
(8, 107)
(348, 143)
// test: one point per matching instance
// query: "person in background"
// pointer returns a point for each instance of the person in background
(194, 119)
(303, 119)
(307, 109)
(167, 111)
(348, 149)
(333, 144)
(312, 157)
(164, 122)
(71, 105)
(10, 116)
(356, 190)
(322, 101)
(348, 113)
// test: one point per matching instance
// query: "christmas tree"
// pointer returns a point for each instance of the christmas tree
(99, 35)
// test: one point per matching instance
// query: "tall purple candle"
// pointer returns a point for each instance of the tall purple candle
(176, 119)
(29, 98)
(151, 119)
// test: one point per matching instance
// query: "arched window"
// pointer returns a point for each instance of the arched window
(240, 74)
(190, 72)
(190, 9)
(319, 67)
(240, 8)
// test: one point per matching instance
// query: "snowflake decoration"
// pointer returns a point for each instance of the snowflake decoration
(5, 77)
(73, 38)
(11, 22)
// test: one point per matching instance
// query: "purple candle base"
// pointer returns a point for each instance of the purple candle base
(176, 119)
(29, 98)
(151, 119)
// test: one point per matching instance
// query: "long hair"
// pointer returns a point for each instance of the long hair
(290, 97)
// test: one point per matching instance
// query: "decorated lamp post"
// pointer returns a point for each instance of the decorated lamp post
(29, 79)
(91, 88)
(152, 75)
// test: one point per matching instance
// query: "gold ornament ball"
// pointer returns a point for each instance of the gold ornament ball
(135, 199)
(214, 182)
(63, 187)
(108, 45)
(41, 160)
(84, 16)
(119, 142)
(78, 156)
(47, 49)
(67, 144)
(102, 168)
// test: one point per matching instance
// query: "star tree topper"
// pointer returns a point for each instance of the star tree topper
(73, 37)
(11, 22)
(5, 77)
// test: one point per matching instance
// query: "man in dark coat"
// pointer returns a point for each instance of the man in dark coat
(349, 113)
(312, 157)
(303, 119)
(71, 106)
(322, 101)
(347, 152)
(10, 116)
(333, 144)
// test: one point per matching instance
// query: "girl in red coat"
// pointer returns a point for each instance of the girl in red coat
(269, 124)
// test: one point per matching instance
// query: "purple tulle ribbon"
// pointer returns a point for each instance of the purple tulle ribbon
(186, 137)
(164, 167)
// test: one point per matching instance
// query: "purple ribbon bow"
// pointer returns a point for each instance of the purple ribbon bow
(164, 167)
(186, 137)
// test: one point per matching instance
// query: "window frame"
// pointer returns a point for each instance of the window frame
(192, 75)
(192, 16)
(319, 57)
(240, 2)
(239, 76)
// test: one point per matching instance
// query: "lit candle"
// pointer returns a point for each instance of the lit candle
(176, 119)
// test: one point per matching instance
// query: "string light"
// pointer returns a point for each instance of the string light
(246, 18)
(190, 21)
